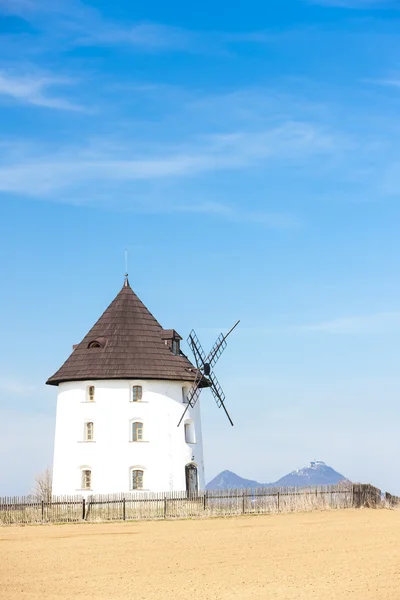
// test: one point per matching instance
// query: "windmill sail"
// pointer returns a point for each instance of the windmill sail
(204, 374)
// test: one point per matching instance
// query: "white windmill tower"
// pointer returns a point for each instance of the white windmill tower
(121, 395)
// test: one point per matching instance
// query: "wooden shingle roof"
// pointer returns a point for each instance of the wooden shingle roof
(127, 343)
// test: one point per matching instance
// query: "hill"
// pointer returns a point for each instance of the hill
(229, 480)
(316, 473)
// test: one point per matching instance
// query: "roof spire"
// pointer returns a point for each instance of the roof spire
(126, 282)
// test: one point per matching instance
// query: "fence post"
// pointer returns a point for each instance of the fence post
(165, 506)
(123, 509)
(83, 509)
(278, 501)
(42, 511)
(357, 495)
(243, 505)
(205, 500)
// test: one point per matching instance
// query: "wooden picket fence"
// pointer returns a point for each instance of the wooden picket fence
(181, 505)
(392, 501)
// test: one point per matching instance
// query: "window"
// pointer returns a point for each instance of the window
(137, 431)
(94, 345)
(189, 433)
(86, 479)
(185, 392)
(136, 393)
(175, 347)
(91, 393)
(137, 479)
(89, 432)
(100, 342)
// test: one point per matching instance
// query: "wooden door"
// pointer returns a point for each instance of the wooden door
(191, 479)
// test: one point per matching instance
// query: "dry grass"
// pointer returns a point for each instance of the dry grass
(318, 555)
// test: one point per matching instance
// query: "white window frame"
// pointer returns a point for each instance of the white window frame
(89, 431)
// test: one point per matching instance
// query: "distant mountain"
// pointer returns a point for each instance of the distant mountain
(228, 480)
(317, 473)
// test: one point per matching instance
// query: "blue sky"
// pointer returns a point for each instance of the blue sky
(248, 157)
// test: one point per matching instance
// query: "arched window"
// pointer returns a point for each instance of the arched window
(90, 392)
(89, 431)
(137, 431)
(100, 342)
(86, 479)
(189, 432)
(137, 479)
(136, 393)
(94, 345)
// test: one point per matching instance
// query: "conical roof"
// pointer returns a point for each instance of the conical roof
(127, 342)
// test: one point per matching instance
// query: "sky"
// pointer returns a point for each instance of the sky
(247, 155)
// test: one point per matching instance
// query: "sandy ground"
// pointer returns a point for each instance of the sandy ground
(324, 555)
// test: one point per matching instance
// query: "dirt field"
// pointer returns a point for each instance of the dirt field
(324, 555)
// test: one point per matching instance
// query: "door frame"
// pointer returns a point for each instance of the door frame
(191, 467)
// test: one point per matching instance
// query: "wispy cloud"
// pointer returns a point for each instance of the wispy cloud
(16, 387)
(157, 37)
(17, 7)
(32, 89)
(271, 220)
(357, 4)
(79, 24)
(151, 37)
(47, 174)
(377, 323)
(28, 8)
(385, 82)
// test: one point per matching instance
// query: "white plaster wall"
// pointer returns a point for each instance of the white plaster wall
(163, 453)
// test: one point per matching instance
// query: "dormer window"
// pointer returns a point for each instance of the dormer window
(172, 339)
(100, 342)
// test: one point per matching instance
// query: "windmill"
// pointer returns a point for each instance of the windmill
(204, 366)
